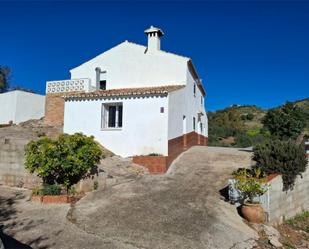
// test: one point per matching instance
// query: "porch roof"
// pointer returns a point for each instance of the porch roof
(125, 92)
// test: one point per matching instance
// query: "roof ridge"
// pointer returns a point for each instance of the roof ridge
(126, 91)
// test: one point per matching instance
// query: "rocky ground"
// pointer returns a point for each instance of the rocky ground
(181, 209)
(30, 130)
(184, 208)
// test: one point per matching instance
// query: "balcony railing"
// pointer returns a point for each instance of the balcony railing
(73, 85)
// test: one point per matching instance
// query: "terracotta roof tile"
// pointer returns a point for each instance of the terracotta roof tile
(125, 92)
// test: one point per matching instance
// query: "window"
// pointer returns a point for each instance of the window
(112, 115)
(100, 79)
(102, 84)
(194, 89)
(202, 100)
(194, 123)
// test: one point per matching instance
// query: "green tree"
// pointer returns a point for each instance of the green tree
(4, 78)
(65, 160)
(285, 122)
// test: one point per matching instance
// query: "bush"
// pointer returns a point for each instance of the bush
(65, 160)
(251, 183)
(243, 140)
(47, 190)
(282, 157)
(253, 132)
(286, 122)
(51, 190)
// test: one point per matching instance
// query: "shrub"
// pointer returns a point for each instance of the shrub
(51, 190)
(65, 160)
(72, 191)
(285, 122)
(282, 157)
(243, 140)
(250, 182)
(253, 132)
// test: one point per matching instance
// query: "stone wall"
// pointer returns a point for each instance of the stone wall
(281, 205)
(12, 169)
(54, 109)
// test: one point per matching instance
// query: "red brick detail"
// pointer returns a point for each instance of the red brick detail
(54, 109)
(48, 199)
(160, 164)
(155, 164)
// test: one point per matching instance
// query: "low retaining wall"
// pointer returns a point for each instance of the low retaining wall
(14, 174)
(280, 205)
(53, 199)
(155, 164)
(160, 164)
(12, 169)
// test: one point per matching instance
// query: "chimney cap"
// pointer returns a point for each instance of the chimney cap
(153, 29)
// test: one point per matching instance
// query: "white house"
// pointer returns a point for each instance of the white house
(135, 99)
(19, 106)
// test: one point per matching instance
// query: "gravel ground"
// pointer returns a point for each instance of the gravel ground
(181, 209)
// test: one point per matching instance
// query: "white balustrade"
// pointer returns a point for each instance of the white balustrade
(73, 85)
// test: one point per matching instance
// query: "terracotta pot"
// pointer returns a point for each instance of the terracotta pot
(253, 212)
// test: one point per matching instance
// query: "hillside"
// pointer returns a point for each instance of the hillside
(240, 126)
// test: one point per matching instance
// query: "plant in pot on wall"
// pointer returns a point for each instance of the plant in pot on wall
(251, 183)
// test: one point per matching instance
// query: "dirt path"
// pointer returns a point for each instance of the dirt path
(181, 209)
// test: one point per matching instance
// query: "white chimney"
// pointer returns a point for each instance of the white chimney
(153, 35)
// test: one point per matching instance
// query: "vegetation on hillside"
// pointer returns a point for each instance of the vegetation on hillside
(4, 78)
(238, 126)
(244, 126)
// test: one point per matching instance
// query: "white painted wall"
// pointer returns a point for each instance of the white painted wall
(129, 65)
(144, 128)
(7, 107)
(177, 107)
(184, 103)
(19, 106)
(194, 106)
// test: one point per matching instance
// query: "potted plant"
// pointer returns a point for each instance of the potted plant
(252, 184)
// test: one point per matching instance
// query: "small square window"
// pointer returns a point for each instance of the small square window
(102, 84)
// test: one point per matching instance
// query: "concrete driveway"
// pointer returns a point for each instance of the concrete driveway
(181, 209)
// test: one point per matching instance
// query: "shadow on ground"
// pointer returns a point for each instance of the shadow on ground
(11, 243)
(10, 224)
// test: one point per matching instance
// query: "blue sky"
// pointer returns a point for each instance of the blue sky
(246, 52)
